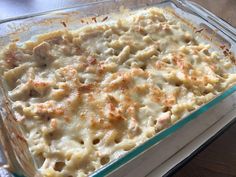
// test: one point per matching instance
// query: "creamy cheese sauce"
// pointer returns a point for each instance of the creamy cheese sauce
(84, 98)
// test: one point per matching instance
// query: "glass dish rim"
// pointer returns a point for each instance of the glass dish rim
(106, 170)
(57, 10)
(115, 164)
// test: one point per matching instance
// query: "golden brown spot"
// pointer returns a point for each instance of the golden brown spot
(105, 18)
(104, 160)
(49, 108)
(100, 123)
(10, 59)
(178, 59)
(64, 24)
(59, 166)
(96, 141)
(160, 64)
(157, 94)
(225, 53)
(85, 88)
(222, 46)
(94, 19)
(115, 116)
(132, 111)
(169, 101)
(138, 72)
(112, 99)
(83, 115)
(123, 83)
(141, 89)
(68, 72)
(67, 118)
(53, 123)
(92, 60)
(33, 93)
(39, 84)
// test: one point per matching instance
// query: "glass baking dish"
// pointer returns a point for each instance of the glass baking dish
(18, 158)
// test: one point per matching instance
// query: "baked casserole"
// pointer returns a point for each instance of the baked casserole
(85, 97)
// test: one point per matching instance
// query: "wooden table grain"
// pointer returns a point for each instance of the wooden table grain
(217, 160)
(225, 9)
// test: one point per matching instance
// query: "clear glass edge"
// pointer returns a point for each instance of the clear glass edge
(223, 25)
(38, 14)
(161, 135)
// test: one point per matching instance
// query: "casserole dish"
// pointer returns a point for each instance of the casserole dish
(224, 37)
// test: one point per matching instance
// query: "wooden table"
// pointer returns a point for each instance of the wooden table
(218, 159)
(226, 9)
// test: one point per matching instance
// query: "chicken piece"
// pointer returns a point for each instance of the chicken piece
(42, 54)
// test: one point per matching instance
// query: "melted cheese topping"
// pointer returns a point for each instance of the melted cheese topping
(84, 98)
